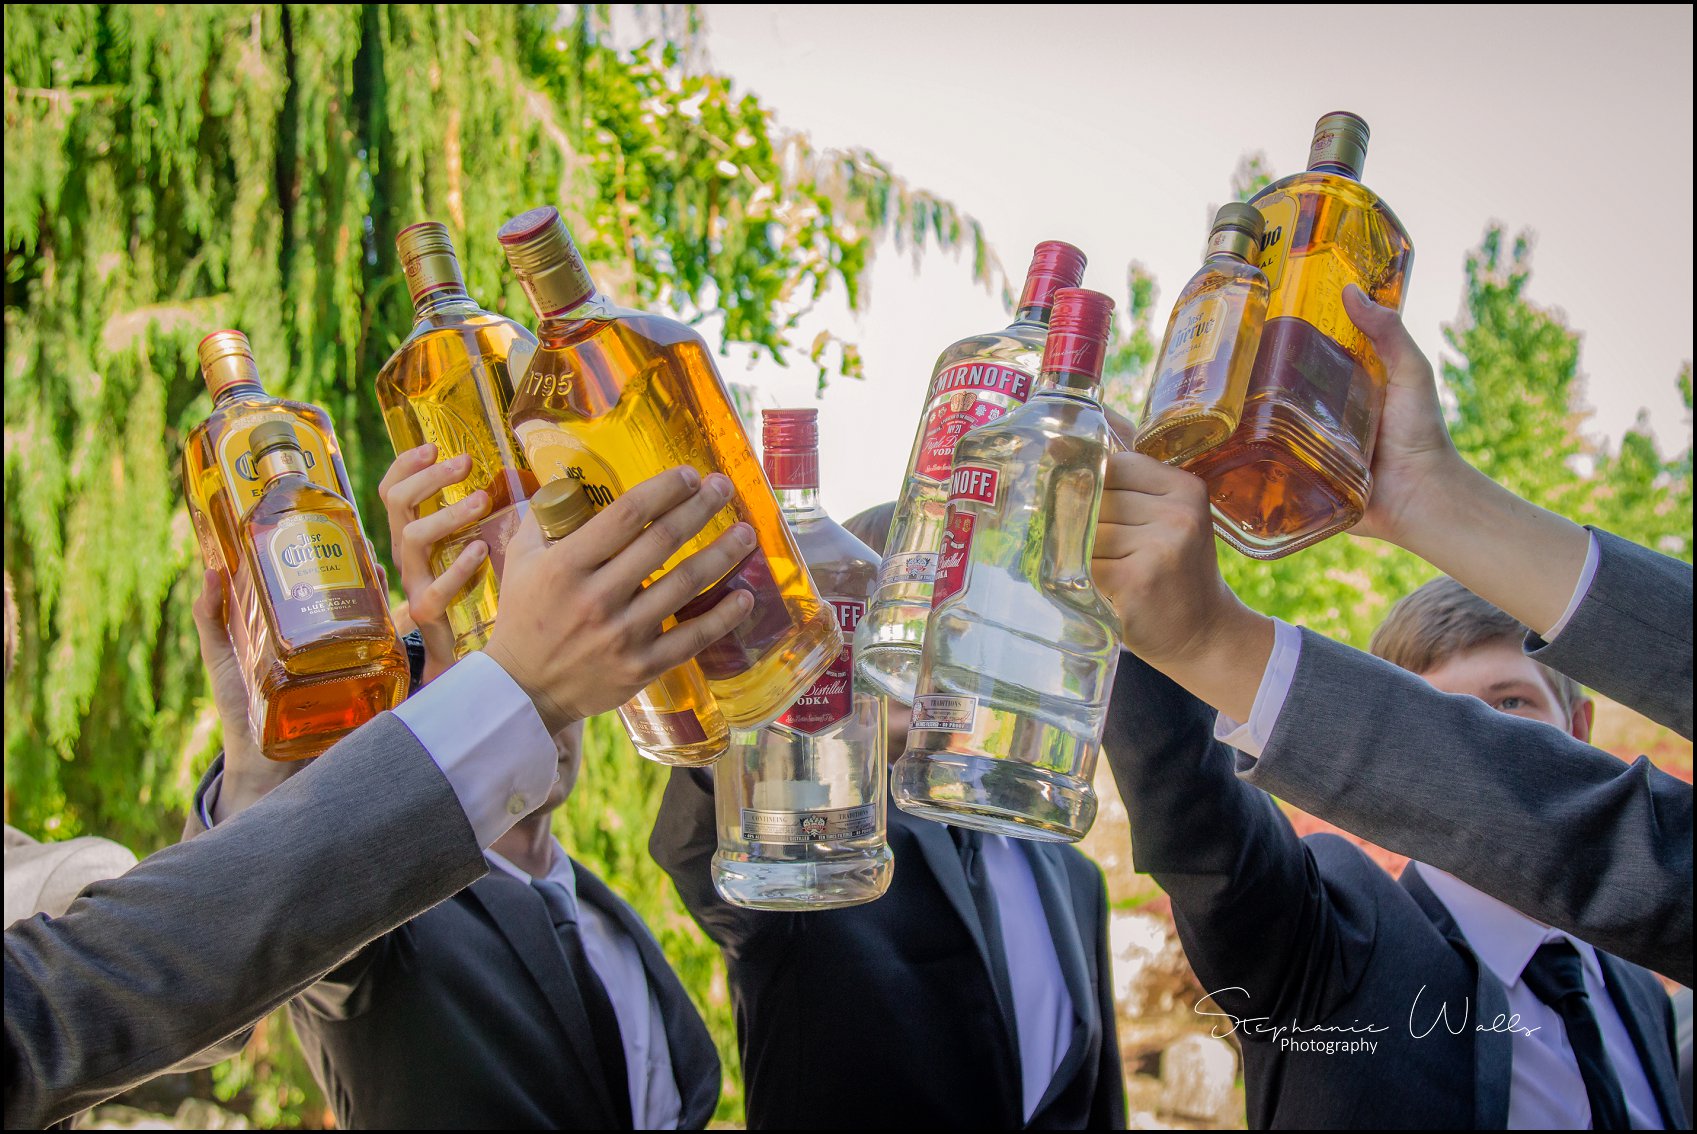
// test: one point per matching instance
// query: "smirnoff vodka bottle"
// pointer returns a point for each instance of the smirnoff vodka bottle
(1021, 647)
(976, 381)
(801, 801)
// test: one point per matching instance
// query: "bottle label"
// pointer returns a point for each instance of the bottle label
(797, 827)
(830, 700)
(555, 453)
(311, 556)
(651, 728)
(1279, 214)
(236, 461)
(970, 484)
(942, 712)
(915, 567)
(1196, 335)
(959, 401)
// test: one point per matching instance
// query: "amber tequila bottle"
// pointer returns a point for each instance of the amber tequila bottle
(976, 381)
(1205, 358)
(611, 397)
(1020, 653)
(1297, 469)
(220, 481)
(324, 659)
(675, 720)
(448, 385)
(801, 802)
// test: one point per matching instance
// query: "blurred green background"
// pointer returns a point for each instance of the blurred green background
(175, 169)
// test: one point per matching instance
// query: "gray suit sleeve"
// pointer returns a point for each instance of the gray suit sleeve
(1561, 831)
(1630, 639)
(202, 939)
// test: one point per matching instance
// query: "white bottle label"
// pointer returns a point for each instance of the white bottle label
(943, 712)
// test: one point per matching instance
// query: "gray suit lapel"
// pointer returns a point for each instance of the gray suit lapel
(1062, 914)
(695, 1061)
(1645, 1020)
(1493, 1053)
(521, 916)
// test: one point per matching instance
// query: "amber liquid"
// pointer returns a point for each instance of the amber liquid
(612, 397)
(448, 385)
(1197, 396)
(221, 485)
(1298, 468)
(323, 659)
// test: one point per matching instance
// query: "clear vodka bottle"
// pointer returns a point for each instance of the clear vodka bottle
(801, 802)
(1021, 647)
(976, 381)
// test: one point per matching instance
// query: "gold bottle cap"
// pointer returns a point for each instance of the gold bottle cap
(1237, 229)
(226, 359)
(427, 258)
(561, 507)
(546, 261)
(1339, 145)
(269, 436)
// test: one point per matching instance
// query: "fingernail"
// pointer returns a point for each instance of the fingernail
(478, 549)
(691, 477)
(744, 534)
(721, 484)
(743, 599)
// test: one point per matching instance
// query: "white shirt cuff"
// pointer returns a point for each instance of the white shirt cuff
(1587, 576)
(1250, 737)
(486, 736)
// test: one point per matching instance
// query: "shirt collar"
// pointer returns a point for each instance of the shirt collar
(560, 872)
(1501, 936)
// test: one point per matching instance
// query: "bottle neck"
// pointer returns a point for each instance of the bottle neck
(1337, 169)
(279, 463)
(1231, 244)
(1070, 382)
(237, 391)
(799, 503)
(439, 301)
(1036, 313)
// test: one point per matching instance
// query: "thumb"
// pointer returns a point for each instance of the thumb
(1395, 346)
(526, 541)
(209, 621)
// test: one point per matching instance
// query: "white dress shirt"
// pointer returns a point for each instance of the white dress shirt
(654, 1099)
(1546, 1091)
(1250, 737)
(1042, 1005)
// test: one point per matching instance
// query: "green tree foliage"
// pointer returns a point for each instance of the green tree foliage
(172, 169)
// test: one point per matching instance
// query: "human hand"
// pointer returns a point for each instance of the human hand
(414, 477)
(1413, 458)
(1154, 560)
(578, 630)
(248, 775)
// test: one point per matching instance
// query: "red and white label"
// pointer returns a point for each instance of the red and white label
(973, 482)
(830, 700)
(952, 557)
(961, 400)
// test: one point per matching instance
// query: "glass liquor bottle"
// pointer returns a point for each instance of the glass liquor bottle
(674, 720)
(801, 802)
(1209, 348)
(976, 380)
(448, 385)
(220, 481)
(325, 658)
(611, 397)
(1020, 653)
(1297, 469)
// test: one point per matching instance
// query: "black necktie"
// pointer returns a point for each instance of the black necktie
(1557, 977)
(970, 845)
(603, 1021)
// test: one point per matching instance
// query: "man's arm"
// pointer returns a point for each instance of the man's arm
(1557, 829)
(1256, 919)
(1629, 638)
(204, 938)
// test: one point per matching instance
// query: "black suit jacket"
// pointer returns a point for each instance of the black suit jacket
(884, 1015)
(468, 1016)
(1309, 940)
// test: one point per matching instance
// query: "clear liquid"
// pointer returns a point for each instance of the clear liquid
(1019, 660)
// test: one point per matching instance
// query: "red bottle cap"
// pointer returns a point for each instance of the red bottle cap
(789, 443)
(1078, 333)
(1054, 264)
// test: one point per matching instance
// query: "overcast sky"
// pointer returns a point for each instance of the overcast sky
(1118, 129)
